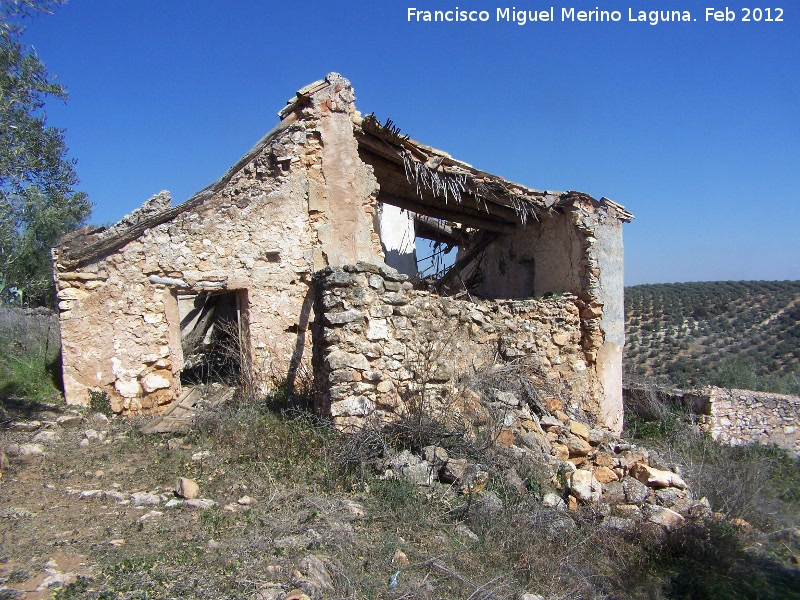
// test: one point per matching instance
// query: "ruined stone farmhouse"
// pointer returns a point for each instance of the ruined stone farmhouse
(301, 261)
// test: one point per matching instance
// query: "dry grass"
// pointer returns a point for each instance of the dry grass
(322, 494)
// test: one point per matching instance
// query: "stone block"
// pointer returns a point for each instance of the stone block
(186, 488)
(584, 487)
(338, 359)
(346, 316)
(578, 446)
(605, 475)
(657, 478)
(156, 381)
(357, 406)
(665, 517)
(395, 299)
(377, 329)
(579, 429)
(635, 491)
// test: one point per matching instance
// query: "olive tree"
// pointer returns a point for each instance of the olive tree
(38, 201)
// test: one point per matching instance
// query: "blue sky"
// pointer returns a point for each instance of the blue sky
(694, 127)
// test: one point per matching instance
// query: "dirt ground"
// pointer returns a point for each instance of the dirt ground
(96, 516)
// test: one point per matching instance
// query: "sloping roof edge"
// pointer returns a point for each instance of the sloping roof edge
(422, 158)
(72, 256)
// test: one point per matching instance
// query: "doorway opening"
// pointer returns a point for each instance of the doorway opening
(213, 337)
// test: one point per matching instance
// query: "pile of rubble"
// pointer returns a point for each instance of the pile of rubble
(582, 465)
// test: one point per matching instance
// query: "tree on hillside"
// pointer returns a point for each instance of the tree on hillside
(38, 201)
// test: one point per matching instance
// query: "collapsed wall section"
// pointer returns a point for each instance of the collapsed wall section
(577, 250)
(381, 348)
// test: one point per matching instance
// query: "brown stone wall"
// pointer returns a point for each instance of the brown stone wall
(119, 329)
(382, 347)
(302, 201)
(578, 252)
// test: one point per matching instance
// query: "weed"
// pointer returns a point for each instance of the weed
(18, 575)
(100, 402)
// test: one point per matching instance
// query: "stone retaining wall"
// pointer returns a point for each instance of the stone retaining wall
(382, 348)
(735, 417)
(742, 417)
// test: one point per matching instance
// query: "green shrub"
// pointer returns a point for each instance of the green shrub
(100, 402)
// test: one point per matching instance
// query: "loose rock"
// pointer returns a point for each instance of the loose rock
(656, 478)
(186, 488)
(67, 421)
(584, 487)
(666, 518)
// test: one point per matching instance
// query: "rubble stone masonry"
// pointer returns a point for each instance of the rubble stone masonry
(743, 417)
(381, 347)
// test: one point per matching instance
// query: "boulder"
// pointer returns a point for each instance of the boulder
(200, 503)
(578, 446)
(549, 422)
(70, 420)
(536, 442)
(628, 511)
(580, 429)
(613, 493)
(597, 436)
(630, 457)
(48, 436)
(145, 499)
(27, 426)
(506, 398)
(454, 470)
(635, 491)
(420, 474)
(99, 418)
(552, 500)
(668, 496)
(488, 504)
(560, 451)
(505, 438)
(314, 579)
(618, 524)
(474, 480)
(436, 455)
(514, 481)
(605, 475)
(604, 459)
(24, 451)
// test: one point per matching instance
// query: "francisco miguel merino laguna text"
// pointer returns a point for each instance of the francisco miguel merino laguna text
(522, 17)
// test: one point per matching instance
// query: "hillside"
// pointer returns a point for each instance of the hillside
(264, 500)
(743, 334)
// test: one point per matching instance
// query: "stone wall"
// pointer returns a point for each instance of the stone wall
(300, 200)
(120, 324)
(382, 348)
(734, 417)
(742, 417)
(578, 251)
